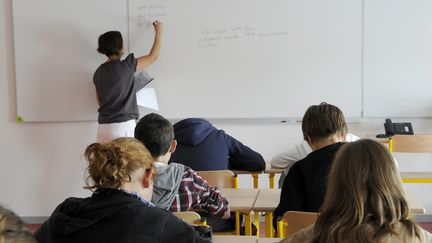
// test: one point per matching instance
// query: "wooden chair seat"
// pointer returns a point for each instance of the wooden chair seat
(293, 221)
(220, 178)
(190, 217)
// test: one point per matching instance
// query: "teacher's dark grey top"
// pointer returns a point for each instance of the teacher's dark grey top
(116, 90)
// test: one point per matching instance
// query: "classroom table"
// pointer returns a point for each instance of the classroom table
(241, 200)
(268, 240)
(233, 239)
(242, 239)
(416, 177)
(266, 202)
(255, 174)
(272, 171)
(268, 199)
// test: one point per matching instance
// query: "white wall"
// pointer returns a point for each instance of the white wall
(41, 163)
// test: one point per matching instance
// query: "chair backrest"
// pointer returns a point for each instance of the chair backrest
(190, 217)
(293, 221)
(220, 178)
(411, 143)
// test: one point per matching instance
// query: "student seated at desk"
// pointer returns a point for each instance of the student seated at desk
(176, 186)
(119, 209)
(364, 201)
(201, 146)
(287, 158)
(304, 187)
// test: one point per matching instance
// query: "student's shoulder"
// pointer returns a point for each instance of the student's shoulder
(304, 235)
(297, 171)
(304, 163)
(425, 236)
(130, 61)
(154, 212)
(130, 57)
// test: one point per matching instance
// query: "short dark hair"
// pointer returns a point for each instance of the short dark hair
(110, 43)
(156, 133)
(323, 120)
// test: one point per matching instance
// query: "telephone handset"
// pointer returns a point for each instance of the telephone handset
(404, 128)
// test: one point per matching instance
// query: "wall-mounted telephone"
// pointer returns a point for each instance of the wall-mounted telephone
(391, 128)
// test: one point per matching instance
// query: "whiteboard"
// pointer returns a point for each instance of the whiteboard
(55, 55)
(398, 58)
(219, 59)
(252, 58)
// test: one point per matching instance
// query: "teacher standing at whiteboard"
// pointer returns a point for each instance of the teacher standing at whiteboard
(116, 85)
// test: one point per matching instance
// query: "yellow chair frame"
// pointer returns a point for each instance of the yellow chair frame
(293, 221)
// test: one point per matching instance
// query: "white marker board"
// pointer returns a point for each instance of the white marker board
(252, 58)
(55, 55)
(231, 59)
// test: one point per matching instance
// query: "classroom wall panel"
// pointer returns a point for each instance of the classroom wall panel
(55, 55)
(398, 58)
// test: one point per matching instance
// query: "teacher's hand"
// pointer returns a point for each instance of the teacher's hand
(158, 26)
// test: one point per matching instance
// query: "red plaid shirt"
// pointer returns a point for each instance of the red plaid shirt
(196, 194)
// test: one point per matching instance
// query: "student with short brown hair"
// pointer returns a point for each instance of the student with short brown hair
(303, 189)
(364, 201)
(119, 210)
(176, 186)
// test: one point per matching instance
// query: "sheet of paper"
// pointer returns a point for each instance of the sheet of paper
(146, 97)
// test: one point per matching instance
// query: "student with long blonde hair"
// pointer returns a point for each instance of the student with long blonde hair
(119, 210)
(364, 201)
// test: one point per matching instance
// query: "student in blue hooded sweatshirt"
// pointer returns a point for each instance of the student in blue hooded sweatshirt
(201, 146)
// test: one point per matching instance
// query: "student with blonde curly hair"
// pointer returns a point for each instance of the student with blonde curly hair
(119, 210)
(13, 229)
(364, 201)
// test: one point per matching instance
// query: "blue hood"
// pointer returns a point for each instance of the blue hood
(192, 131)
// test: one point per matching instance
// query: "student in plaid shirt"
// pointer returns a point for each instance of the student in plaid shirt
(177, 187)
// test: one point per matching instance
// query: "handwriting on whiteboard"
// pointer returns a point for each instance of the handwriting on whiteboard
(147, 14)
(213, 38)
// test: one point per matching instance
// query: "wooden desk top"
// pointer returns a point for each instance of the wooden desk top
(268, 240)
(233, 239)
(419, 174)
(246, 172)
(241, 199)
(270, 169)
(380, 140)
(267, 170)
(267, 200)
